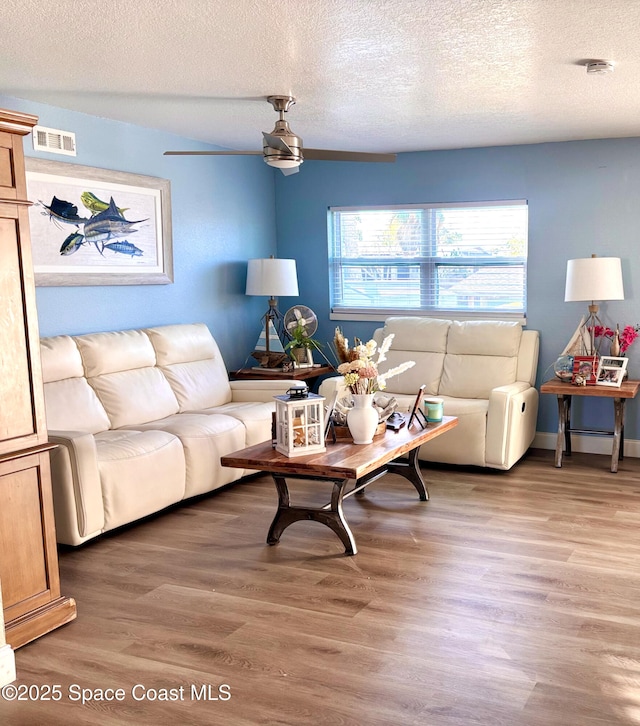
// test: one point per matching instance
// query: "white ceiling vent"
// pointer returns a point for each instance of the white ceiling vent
(54, 141)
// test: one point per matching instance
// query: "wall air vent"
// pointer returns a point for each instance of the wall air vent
(54, 141)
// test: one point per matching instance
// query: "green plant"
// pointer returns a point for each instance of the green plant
(300, 339)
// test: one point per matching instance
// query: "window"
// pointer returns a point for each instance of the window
(454, 260)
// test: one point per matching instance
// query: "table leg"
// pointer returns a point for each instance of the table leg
(618, 433)
(410, 469)
(567, 426)
(564, 428)
(332, 517)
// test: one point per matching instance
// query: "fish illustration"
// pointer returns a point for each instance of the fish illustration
(109, 224)
(72, 244)
(95, 205)
(61, 211)
(125, 248)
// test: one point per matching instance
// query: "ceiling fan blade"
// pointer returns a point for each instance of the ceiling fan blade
(291, 170)
(275, 142)
(212, 153)
(329, 155)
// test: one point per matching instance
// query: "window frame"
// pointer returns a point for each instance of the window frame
(343, 312)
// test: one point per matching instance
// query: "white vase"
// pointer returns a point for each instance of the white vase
(615, 343)
(362, 419)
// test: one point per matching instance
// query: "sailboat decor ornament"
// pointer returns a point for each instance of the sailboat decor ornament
(273, 354)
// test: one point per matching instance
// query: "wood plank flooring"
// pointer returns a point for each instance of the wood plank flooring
(509, 599)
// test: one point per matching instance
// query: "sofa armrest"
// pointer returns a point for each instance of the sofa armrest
(332, 385)
(77, 491)
(260, 391)
(511, 423)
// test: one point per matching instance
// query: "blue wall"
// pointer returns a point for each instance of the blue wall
(582, 196)
(223, 214)
(583, 199)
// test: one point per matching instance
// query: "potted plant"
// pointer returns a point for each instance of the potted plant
(301, 345)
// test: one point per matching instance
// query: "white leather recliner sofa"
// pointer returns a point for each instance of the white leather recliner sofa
(142, 418)
(483, 370)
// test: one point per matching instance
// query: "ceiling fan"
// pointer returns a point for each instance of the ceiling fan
(283, 149)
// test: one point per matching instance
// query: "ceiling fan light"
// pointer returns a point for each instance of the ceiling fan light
(282, 163)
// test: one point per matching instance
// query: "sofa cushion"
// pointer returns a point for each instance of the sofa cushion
(484, 337)
(481, 355)
(466, 443)
(190, 359)
(471, 429)
(419, 334)
(427, 371)
(198, 384)
(474, 376)
(140, 473)
(135, 397)
(112, 352)
(70, 403)
(205, 438)
(422, 340)
(182, 343)
(256, 418)
(60, 358)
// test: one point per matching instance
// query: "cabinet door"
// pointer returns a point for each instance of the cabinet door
(29, 575)
(21, 415)
(29, 567)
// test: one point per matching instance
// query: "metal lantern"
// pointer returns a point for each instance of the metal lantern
(299, 422)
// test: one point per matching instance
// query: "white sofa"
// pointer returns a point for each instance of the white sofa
(142, 418)
(485, 372)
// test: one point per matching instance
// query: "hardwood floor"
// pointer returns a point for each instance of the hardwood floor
(509, 599)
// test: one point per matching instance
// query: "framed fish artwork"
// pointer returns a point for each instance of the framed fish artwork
(98, 227)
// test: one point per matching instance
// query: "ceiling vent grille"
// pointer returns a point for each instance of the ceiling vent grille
(54, 141)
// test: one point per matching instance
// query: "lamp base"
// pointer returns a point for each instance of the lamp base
(587, 333)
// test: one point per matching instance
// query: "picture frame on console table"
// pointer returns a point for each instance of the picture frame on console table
(93, 226)
(585, 369)
(611, 370)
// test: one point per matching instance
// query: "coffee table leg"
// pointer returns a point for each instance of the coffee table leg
(410, 469)
(332, 517)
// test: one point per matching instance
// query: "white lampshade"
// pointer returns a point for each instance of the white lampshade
(594, 278)
(272, 277)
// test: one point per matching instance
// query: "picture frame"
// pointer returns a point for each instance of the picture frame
(93, 226)
(416, 411)
(585, 368)
(611, 370)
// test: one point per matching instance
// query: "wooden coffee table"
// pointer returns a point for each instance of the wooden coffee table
(341, 463)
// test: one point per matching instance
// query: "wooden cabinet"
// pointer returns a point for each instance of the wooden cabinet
(28, 558)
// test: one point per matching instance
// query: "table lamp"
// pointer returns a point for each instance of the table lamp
(593, 278)
(273, 278)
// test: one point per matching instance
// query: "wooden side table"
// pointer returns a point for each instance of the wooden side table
(565, 392)
(297, 374)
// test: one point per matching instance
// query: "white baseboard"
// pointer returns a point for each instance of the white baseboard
(7, 665)
(586, 444)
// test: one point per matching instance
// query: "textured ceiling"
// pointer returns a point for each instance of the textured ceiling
(368, 75)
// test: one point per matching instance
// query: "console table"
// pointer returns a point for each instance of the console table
(310, 374)
(565, 392)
